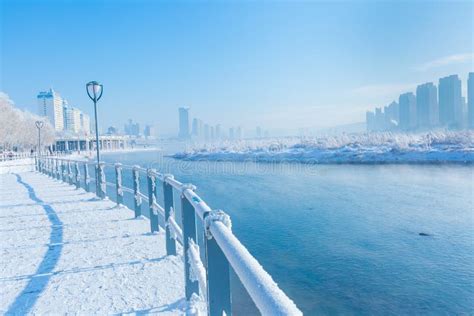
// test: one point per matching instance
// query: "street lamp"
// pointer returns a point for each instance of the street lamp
(39, 126)
(94, 90)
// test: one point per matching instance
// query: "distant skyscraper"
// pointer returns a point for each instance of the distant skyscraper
(450, 101)
(392, 115)
(195, 127)
(50, 105)
(427, 105)
(72, 118)
(85, 123)
(407, 104)
(213, 132)
(379, 119)
(231, 133)
(369, 120)
(218, 131)
(470, 100)
(183, 122)
(238, 132)
(132, 129)
(258, 132)
(206, 132)
(149, 131)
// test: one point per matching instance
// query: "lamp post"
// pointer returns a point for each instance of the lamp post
(39, 126)
(94, 90)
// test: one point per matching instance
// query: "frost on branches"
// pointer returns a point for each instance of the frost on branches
(429, 147)
(18, 129)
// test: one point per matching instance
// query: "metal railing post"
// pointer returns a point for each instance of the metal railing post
(58, 169)
(218, 270)
(86, 177)
(118, 183)
(168, 204)
(136, 192)
(63, 171)
(152, 198)
(69, 173)
(78, 176)
(189, 232)
(36, 163)
(101, 184)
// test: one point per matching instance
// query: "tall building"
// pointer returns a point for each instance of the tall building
(85, 123)
(369, 121)
(391, 115)
(450, 101)
(131, 128)
(183, 122)
(218, 131)
(407, 105)
(470, 100)
(50, 105)
(206, 132)
(238, 132)
(72, 118)
(149, 131)
(195, 127)
(427, 105)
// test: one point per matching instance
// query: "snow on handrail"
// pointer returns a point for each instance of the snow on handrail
(266, 294)
(127, 190)
(200, 206)
(176, 231)
(174, 183)
(197, 270)
(156, 207)
(143, 196)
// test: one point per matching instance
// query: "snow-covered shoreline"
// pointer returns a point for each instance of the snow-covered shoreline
(370, 148)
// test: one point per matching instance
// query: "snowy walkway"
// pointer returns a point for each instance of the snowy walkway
(63, 251)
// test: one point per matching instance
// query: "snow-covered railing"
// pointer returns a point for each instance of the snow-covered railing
(209, 253)
(15, 155)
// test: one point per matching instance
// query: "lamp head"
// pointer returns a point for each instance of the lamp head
(39, 124)
(94, 90)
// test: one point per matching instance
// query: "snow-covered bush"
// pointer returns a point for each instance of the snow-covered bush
(18, 129)
(435, 146)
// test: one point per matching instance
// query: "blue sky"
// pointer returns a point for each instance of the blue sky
(275, 64)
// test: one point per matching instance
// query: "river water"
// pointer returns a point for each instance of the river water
(345, 239)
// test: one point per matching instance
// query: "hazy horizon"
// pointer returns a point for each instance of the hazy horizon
(274, 64)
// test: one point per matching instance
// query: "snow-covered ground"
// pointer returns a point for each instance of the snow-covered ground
(17, 165)
(64, 251)
(433, 147)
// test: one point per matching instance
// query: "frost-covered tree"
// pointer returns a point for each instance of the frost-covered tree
(18, 129)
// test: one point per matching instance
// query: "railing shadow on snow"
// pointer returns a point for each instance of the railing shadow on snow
(28, 297)
(204, 236)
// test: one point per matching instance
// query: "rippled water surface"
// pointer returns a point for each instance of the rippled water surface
(345, 239)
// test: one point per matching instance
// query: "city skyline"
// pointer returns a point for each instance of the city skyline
(432, 107)
(326, 62)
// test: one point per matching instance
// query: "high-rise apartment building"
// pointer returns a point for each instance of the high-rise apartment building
(407, 105)
(50, 105)
(470, 100)
(183, 122)
(85, 123)
(450, 101)
(427, 105)
(72, 118)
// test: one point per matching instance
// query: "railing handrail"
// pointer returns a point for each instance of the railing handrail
(221, 246)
